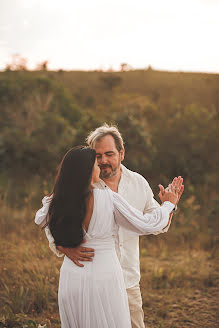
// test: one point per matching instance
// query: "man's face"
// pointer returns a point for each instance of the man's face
(108, 157)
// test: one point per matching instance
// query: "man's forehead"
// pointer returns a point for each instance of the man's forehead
(105, 144)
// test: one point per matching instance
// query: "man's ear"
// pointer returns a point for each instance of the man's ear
(122, 154)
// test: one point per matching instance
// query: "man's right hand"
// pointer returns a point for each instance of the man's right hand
(78, 253)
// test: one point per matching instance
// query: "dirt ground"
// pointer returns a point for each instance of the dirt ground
(191, 299)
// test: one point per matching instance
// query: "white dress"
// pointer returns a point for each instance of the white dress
(94, 296)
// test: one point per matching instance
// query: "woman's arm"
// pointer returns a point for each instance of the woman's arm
(143, 224)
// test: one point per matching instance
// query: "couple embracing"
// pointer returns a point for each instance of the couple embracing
(94, 216)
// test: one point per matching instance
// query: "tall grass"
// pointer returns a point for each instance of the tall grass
(174, 267)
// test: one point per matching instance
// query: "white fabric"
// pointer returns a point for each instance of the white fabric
(135, 307)
(95, 296)
(41, 220)
(52, 244)
(137, 192)
(135, 222)
(41, 214)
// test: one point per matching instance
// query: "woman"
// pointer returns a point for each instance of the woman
(93, 296)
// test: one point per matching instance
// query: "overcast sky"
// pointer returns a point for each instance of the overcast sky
(98, 34)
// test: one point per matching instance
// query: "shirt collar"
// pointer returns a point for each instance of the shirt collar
(125, 171)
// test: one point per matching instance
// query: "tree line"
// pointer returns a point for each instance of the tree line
(166, 133)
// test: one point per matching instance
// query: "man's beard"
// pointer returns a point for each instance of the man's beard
(105, 174)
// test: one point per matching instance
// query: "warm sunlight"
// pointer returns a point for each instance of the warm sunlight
(124, 94)
(168, 35)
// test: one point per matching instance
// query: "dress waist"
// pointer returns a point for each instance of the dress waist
(104, 250)
(100, 244)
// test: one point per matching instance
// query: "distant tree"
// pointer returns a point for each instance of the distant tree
(42, 66)
(110, 69)
(38, 122)
(125, 67)
(186, 143)
(169, 122)
(149, 68)
(155, 95)
(18, 63)
(110, 81)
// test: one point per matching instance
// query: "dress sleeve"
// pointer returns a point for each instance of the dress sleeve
(138, 223)
(40, 219)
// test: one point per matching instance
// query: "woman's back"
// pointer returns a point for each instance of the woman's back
(94, 296)
(102, 224)
(97, 288)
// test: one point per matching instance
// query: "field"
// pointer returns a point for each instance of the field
(179, 280)
(169, 122)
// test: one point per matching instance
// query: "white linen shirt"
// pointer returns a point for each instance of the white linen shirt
(137, 192)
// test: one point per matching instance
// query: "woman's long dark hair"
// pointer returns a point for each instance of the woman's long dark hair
(72, 186)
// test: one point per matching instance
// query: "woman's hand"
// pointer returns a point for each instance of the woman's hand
(170, 196)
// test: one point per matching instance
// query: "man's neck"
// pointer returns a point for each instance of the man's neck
(113, 182)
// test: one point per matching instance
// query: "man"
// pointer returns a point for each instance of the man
(110, 152)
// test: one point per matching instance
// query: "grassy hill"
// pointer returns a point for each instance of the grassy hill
(169, 122)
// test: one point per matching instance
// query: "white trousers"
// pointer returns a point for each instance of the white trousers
(135, 306)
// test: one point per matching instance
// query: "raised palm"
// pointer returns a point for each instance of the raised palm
(176, 186)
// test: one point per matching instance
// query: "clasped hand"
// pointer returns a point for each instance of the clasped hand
(173, 192)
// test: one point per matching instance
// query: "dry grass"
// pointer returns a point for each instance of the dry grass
(181, 289)
(179, 284)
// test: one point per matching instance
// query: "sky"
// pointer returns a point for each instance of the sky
(175, 35)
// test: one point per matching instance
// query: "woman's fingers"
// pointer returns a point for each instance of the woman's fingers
(176, 184)
(162, 190)
(181, 191)
(176, 188)
(179, 182)
(174, 181)
(169, 188)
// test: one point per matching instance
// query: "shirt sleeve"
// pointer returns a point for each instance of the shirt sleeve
(41, 214)
(40, 219)
(150, 203)
(138, 223)
(52, 244)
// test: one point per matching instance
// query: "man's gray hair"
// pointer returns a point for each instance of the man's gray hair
(102, 131)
